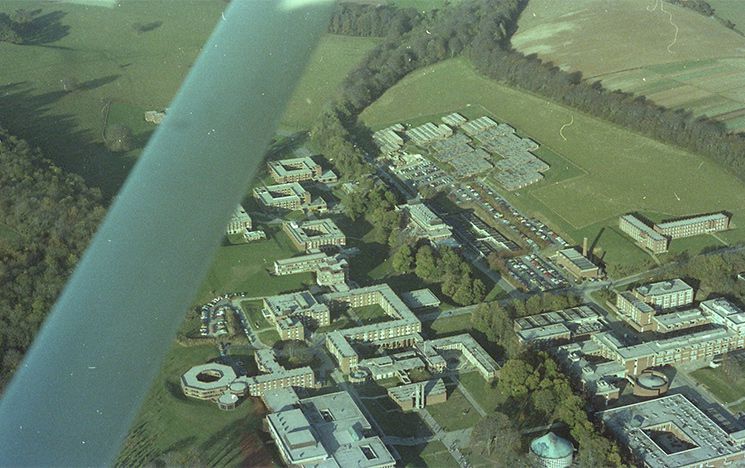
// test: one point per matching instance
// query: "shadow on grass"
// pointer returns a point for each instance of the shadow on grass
(45, 29)
(29, 115)
(174, 389)
(98, 82)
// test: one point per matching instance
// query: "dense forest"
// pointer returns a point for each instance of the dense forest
(47, 217)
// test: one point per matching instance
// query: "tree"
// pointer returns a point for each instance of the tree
(118, 138)
(403, 259)
(497, 438)
(426, 264)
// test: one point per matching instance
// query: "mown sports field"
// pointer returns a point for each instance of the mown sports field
(670, 54)
(600, 172)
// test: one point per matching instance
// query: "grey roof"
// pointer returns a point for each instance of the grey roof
(637, 223)
(578, 259)
(693, 220)
(551, 446)
(675, 285)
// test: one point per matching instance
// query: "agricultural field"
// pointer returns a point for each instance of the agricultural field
(672, 55)
(601, 170)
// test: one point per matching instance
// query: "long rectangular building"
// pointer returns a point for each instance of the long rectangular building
(694, 226)
(315, 234)
(644, 235)
(291, 196)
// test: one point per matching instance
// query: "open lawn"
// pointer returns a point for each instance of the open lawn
(611, 171)
(100, 48)
(327, 67)
(673, 55)
(246, 268)
(485, 393)
(395, 422)
(253, 311)
(724, 387)
(456, 413)
(432, 454)
(450, 325)
(197, 430)
(372, 313)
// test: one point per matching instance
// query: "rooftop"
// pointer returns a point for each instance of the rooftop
(581, 262)
(675, 285)
(637, 223)
(693, 220)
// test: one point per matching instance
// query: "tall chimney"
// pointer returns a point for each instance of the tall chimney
(584, 247)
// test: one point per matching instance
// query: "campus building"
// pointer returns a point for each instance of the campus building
(425, 223)
(642, 308)
(419, 395)
(314, 234)
(329, 270)
(666, 294)
(326, 430)
(694, 226)
(293, 170)
(559, 325)
(471, 351)
(578, 265)
(551, 451)
(291, 313)
(291, 196)
(644, 235)
(671, 431)
(388, 140)
(345, 355)
(724, 313)
(240, 222)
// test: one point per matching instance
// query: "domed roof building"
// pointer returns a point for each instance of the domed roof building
(552, 451)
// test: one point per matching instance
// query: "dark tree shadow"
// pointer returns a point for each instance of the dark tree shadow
(98, 82)
(45, 29)
(147, 27)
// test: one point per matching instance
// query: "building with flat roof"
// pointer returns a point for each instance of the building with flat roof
(644, 235)
(419, 395)
(471, 350)
(420, 299)
(314, 234)
(327, 430)
(239, 222)
(290, 196)
(693, 226)
(207, 381)
(671, 431)
(425, 223)
(293, 170)
(723, 312)
(559, 325)
(291, 313)
(666, 294)
(329, 270)
(428, 132)
(579, 266)
(345, 355)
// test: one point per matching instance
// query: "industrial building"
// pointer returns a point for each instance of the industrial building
(577, 264)
(428, 132)
(294, 170)
(693, 226)
(291, 196)
(671, 431)
(327, 430)
(239, 222)
(314, 234)
(388, 140)
(644, 235)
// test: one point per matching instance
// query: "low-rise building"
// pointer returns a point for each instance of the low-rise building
(327, 430)
(579, 266)
(345, 355)
(290, 196)
(425, 223)
(291, 313)
(419, 395)
(314, 234)
(239, 222)
(474, 354)
(420, 299)
(559, 325)
(300, 264)
(693, 226)
(723, 312)
(396, 365)
(671, 431)
(294, 170)
(644, 235)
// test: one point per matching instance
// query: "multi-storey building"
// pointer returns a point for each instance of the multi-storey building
(559, 325)
(671, 431)
(339, 347)
(666, 294)
(293, 170)
(723, 312)
(579, 266)
(290, 313)
(644, 235)
(240, 221)
(419, 395)
(327, 430)
(291, 196)
(426, 223)
(314, 234)
(694, 226)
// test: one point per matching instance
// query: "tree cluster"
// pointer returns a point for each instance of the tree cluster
(357, 19)
(48, 216)
(442, 266)
(536, 385)
(497, 438)
(699, 6)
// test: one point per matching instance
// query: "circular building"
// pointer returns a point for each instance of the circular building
(227, 401)
(651, 383)
(552, 451)
(207, 381)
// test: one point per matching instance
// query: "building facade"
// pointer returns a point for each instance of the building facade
(644, 235)
(290, 196)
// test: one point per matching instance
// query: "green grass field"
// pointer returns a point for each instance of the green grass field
(456, 413)
(676, 57)
(244, 268)
(725, 388)
(607, 170)
(171, 423)
(432, 454)
(485, 393)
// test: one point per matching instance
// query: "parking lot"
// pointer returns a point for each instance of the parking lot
(536, 273)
